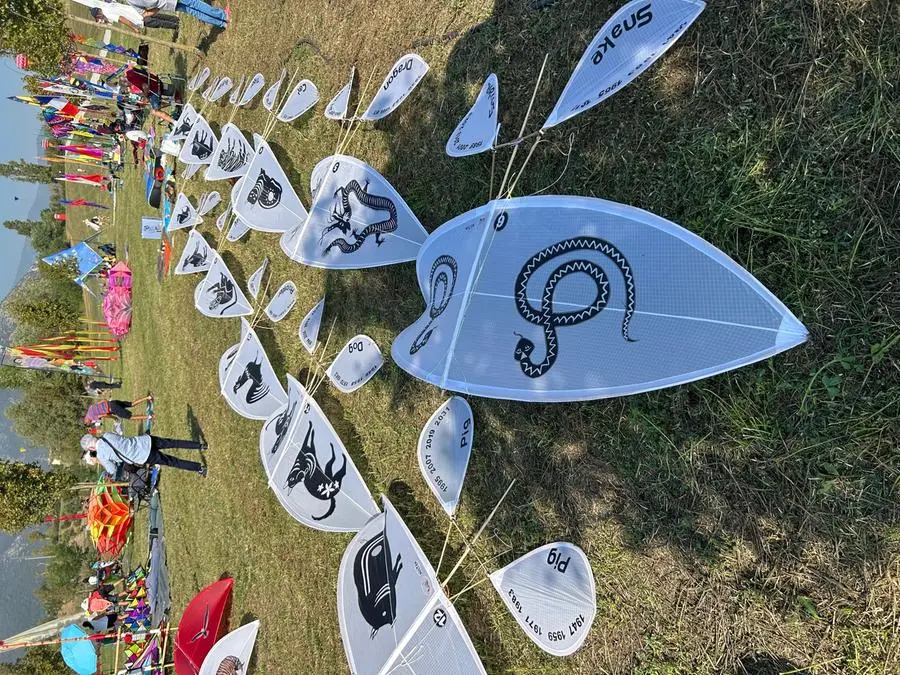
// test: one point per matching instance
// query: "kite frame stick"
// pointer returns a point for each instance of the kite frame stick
(351, 129)
(524, 123)
(468, 588)
(437, 571)
(525, 163)
(477, 534)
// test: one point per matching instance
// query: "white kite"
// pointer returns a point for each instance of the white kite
(199, 146)
(309, 327)
(237, 230)
(310, 470)
(236, 92)
(394, 617)
(629, 43)
(208, 202)
(355, 365)
(282, 302)
(337, 107)
(317, 175)
(218, 294)
(231, 654)
(232, 156)
(254, 86)
(271, 95)
(357, 220)
(550, 592)
(197, 255)
(569, 298)
(302, 98)
(266, 200)
(210, 89)
(183, 214)
(405, 76)
(223, 86)
(228, 355)
(183, 124)
(189, 172)
(255, 280)
(250, 385)
(444, 448)
(220, 221)
(198, 79)
(478, 130)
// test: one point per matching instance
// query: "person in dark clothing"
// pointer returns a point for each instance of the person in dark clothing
(99, 388)
(112, 451)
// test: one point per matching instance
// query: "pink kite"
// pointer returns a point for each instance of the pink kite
(117, 302)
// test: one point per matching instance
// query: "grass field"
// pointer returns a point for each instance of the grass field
(744, 523)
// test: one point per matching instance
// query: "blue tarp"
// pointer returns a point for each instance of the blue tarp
(87, 259)
(79, 655)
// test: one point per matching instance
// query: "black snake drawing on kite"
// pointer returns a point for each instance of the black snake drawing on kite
(546, 318)
(341, 218)
(442, 285)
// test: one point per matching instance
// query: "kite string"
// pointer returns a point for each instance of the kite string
(565, 168)
(524, 124)
(477, 535)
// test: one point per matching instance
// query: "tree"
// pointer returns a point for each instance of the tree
(28, 493)
(46, 660)
(19, 169)
(62, 574)
(23, 227)
(50, 414)
(36, 28)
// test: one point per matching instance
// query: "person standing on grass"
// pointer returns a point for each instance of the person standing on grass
(100, 410)
(214, 16)
(131, 17)
(112, 451)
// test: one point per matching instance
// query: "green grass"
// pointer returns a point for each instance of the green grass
(744, 523)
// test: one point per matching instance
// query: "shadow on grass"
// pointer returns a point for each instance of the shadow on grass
(699, 467)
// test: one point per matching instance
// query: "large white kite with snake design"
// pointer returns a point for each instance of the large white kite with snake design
(357, 219)
(569, 298)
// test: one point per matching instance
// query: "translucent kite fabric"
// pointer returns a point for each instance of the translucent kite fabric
(443, 451)
(271, 95)
(198, 79)
(200, 144)
(355, 364)
(218, 294)
(308, 331)
(231, 654)
(570, 298)
(254, 86)
(223, 86)
(303, 97)
(197, 255)
(183, 214)
(184, 123)
(232, 156)
(282, 302)
(265, 199)
(477, 131)
(249, 383)
(399, 83)
(550, 593)
(629, 43)
(309, 469)
(394, 617)
(357, 220)
(337, 107)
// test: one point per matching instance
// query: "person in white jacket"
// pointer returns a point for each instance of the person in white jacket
(112, 450)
